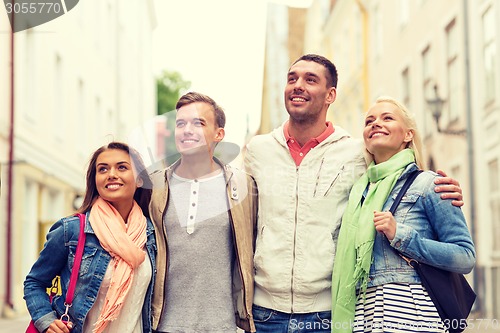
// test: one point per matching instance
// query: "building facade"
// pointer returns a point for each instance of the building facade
(80, 81)
(284, 44)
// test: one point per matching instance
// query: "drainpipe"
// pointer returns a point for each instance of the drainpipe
(8, 285)
(477, 284)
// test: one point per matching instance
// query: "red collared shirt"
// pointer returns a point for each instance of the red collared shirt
(298, 153)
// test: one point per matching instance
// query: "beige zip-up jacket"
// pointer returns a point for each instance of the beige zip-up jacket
(300, 211)
(242, 198)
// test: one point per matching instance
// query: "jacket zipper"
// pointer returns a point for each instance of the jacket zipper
(334, 181)
(294, 233)
(235, 243)
(237, 253)
(164, 229)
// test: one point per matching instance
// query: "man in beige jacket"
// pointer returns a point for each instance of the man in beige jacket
(204, 213)
(304, 171)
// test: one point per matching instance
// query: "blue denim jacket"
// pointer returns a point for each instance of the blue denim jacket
(57, 258)
(429, 229)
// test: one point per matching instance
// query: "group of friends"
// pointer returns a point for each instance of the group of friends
(301, 240)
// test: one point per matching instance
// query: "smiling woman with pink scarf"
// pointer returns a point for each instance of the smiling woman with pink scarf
(114, 286)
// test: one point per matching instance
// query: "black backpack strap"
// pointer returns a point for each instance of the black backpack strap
(402, 191)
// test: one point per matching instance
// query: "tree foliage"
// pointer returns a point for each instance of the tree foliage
(169, 86)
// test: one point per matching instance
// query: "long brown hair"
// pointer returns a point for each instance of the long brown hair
(142, 194)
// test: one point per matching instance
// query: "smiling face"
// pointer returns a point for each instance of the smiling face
(385, 131)
(307, 93)
(115, 178)
(195, 129)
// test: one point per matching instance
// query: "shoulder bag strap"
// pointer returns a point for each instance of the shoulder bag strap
(395, 204)
(402, 192)
(78, 260)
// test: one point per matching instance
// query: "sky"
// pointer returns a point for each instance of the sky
(218, 46)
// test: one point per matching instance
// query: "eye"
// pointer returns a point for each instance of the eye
(291, 79)
(180, 124)
(102, 169)
(388, 118)
(198, 123)
(368, 122)
(311, 79)
(122, 167)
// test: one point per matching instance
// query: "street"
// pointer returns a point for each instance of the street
(18, 325)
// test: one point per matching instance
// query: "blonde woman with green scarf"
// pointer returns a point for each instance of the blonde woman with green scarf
(373, 289)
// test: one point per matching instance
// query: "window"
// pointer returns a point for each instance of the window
(428, 89)
(58, 113)
(494, 202)
(405, 11)
(405, 86)
(82, 121)
(102, 123)
(32, 110)
(378, 31)
(29, 224)
(489, 55)
(453, 68)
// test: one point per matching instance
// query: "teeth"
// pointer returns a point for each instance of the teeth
(377, 134)
(298, 99)
(114, 186)
(189, 141)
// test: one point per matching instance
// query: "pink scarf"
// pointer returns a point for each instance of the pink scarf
(125, 243)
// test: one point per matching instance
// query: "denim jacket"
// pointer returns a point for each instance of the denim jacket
(429, 229)
(57, 258)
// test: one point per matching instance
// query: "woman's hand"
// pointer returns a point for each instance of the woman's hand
(385, 222)
(58, 326)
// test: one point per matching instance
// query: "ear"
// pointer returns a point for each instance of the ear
(139, 182)
(409, 136)
(331, 96)
(219, 134)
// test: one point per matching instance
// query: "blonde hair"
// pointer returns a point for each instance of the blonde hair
(410, 123)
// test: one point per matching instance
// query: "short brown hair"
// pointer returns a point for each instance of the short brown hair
(193, 97)
(331, 74)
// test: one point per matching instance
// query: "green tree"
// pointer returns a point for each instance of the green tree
(169, 87)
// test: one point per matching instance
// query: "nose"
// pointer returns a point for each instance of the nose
(298, 85)
(112, 173)
(188, 128)
(375, 123)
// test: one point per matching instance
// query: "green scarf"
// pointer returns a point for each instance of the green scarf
(357, 235)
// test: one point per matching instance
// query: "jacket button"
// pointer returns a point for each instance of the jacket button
(398, 244)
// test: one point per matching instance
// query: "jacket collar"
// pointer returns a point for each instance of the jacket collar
(338, 134)
(226, 169)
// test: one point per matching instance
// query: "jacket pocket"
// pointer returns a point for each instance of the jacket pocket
(88, 255)
(326, 184)
(261, 314)
(407, 202)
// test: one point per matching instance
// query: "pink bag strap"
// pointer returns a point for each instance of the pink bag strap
(78, 260)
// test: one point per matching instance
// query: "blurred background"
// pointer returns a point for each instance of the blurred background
(113, 70)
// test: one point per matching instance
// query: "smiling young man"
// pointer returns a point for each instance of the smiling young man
(304, 171)
(205, 215)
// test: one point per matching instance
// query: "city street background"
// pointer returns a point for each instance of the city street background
(99, 73)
